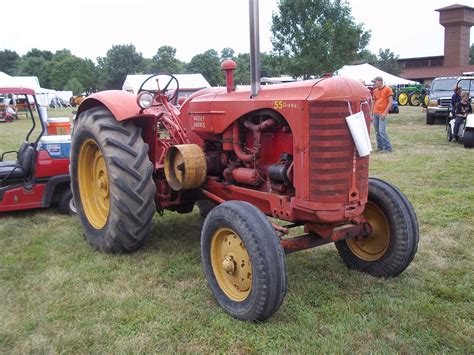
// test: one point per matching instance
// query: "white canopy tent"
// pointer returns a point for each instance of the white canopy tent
(186, 82)
(43, 95)
(367, 73)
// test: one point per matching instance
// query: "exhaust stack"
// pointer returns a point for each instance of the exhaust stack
(254, 48)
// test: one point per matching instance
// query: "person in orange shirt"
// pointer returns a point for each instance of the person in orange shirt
(381, 104)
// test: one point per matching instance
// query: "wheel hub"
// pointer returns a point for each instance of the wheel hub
(374, 245)
(228, 264)
(231, 264)
(93, 184)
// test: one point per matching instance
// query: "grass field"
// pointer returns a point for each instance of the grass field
(59, 295)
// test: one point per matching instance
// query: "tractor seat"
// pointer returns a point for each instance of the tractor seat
(19, 154)
(20, 170)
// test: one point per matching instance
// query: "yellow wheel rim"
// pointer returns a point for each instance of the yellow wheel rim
(403, 99)
(93, 184)
(231, 264)
(415, 100)
(427, 100)
(375, 246)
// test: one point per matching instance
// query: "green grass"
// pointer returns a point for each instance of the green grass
(59, 295)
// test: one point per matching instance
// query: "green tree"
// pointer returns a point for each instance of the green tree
(165, 61)
(208, 64)
(227, 53)
(38, 53)
(388, 62)
(316, 35)
(75, 86)
(34, 66)
(66, 66)
(8, 61)
(119, 61)
(242, 73)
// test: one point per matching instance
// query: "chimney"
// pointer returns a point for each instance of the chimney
(457, 21)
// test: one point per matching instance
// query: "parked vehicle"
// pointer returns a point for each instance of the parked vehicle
(283, 151)
(465, 131)
(441, 91)
(38, 176)
(414, 95)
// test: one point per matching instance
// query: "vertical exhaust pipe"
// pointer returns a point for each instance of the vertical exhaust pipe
(254, 48)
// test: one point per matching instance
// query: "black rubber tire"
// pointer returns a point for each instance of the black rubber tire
(205, 206)
(66, 202)
(404, 233)
(131, 187)
(468, 139)
(430, 120)
(269, 278)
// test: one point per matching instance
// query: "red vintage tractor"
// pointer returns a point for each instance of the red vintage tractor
(282, 151)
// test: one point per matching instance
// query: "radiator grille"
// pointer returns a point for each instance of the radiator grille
(332, 154)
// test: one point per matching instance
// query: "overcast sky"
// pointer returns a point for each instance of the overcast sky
(90, 27)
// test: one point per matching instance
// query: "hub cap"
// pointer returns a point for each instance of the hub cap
(231, 264)
(375, 246)
(93, 184)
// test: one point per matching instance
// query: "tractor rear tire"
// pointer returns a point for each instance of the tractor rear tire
(430, 120)
(468, 139)
(402, 99)
(111, 179)
(243, 261)
(394, 241)
(414, 99)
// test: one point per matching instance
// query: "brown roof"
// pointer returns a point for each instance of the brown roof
(454, 7)
(434, 72)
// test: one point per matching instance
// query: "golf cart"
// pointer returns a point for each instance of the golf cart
(466, 128)
(37, 174)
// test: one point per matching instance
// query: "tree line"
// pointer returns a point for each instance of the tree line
(309, 38)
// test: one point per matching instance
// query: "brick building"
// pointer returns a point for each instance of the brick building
(457, 21)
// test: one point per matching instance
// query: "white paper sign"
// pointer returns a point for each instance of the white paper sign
(359, 132)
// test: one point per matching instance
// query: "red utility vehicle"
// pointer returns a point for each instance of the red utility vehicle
(38, 176)
(284, 151)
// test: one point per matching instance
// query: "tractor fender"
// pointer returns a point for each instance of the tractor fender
(122, 104)
(50, 188)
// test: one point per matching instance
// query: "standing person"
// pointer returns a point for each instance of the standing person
(381, 104)
(455, 99)
(463, 108)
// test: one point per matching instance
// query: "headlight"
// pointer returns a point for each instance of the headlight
(145, 99)
(433, 103)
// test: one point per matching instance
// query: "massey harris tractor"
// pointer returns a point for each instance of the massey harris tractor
(283, 151)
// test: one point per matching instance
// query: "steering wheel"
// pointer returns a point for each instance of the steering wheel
(172, 78)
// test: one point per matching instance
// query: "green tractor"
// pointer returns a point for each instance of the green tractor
(414, 95)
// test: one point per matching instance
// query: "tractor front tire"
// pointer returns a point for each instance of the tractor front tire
(395, 233)
(243, 261)
(111, 179)
(468, 139)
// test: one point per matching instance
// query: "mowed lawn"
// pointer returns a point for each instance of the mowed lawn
(59, 295)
